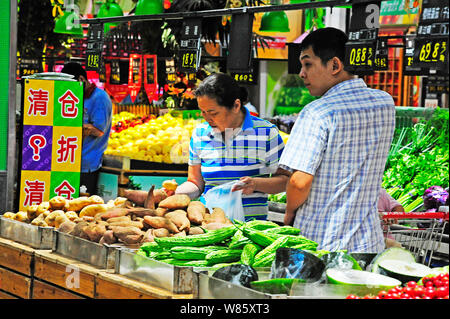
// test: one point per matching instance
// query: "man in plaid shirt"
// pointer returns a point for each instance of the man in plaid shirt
(337, 151)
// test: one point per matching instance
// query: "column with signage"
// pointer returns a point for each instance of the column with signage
(52, 141)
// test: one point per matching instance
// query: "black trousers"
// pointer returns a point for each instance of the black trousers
(90, 180)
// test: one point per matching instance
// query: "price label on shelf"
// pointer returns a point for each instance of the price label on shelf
(94, 47)
(243, 77)
(359, 57)
(431, 50)
(381, 55)
(190, 45)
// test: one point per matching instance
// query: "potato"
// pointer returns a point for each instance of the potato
(170, 185)
(9, 215)
(110, 204)
(120, 201)
(61, 219)
(177, 201)
(92, 210)
(95, 199)
(179, 218)
(161, 222)
(42, 207)
(57, 203)
(71, 215)
(21, 217)
(79, 203)
(51, 218)
(39, 221)
(196, 212)
(31, 211)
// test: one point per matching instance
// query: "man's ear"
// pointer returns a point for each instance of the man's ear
(237, 104)
(336, 65)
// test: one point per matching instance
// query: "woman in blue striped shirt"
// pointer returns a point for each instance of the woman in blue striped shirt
(233, 145)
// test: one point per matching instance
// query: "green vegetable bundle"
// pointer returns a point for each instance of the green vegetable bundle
(418, 159)
(252, 243)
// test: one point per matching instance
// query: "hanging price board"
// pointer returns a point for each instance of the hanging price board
(94, 47)
(359, 57)
(409, 68)
(190, 45)
(151, 76)
(249, 77)
(431, 43)
(360, 51)
(381, 55)
(171, 74)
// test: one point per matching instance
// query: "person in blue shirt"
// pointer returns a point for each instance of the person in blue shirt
(97, 118)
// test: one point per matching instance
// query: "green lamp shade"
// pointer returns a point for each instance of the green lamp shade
(110, 9)
(144, 7)
(69, 24)
(274, 21)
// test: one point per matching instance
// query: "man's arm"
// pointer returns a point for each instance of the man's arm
(91, 130)
(297, 192)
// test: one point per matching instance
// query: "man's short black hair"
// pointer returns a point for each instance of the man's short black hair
(75, 69)
(326, 43)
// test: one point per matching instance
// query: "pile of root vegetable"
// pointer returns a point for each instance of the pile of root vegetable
(122, 221)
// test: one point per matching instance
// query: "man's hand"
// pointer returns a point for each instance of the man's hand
(91, 130)
(246, 184)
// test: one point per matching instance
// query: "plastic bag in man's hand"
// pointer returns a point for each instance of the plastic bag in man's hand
(231, 202)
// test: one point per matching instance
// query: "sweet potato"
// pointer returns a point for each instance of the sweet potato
(177, 201)
(141, 211)
(92, 210)
(67, 226)
(57, 203)
(128, 235)
(95, 231)
(179, 218)
(161, 222)
(114, 212)
(31, 211)
(160, 232)
(196, 230)
(161, 211)
(138, 224)
(78, 229)
(196, 212)
(217, 216)
(118, 219)
(180, 234)
(79, 203)
(215, 225)
(148, 236)
(108, 238)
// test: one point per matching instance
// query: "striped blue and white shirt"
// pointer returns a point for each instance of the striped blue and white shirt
(252, 150)
(343, 140)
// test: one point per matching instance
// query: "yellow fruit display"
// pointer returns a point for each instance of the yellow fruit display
(162, 140)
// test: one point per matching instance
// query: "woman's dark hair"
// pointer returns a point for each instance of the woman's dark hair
(220, 87)
(74, 69)
(326, 43)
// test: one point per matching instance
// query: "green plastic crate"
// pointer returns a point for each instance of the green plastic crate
(287, 110)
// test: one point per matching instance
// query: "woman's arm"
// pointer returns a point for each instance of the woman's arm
(195, 184)
(269, 185)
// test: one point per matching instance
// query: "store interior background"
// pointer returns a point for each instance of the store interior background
(39, 49)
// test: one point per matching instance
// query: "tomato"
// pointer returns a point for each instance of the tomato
(429, 292)
(411, 284)
(352, 297)
(408, 290)
(419, 291)
(382, 294)
(429, 283)
(441, 292)
(437, 282)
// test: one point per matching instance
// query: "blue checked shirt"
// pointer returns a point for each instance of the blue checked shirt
(252, 150)
(343, 140)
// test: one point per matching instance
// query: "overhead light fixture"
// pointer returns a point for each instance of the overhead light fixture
(110, 9)
(144, 7)
(274, 21)
(69, 23)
